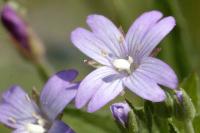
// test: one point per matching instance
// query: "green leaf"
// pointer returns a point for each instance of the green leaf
(148, 115)
(161, 124)
(83, 122)
(196, 123)
(191, 85)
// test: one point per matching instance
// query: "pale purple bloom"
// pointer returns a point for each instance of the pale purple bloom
(19, 112)
(120, 112)
(15, 26)
(126, 61)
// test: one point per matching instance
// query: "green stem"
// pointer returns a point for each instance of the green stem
(43, 68)
(188, 126)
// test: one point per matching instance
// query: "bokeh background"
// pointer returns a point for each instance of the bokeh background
(53, 20)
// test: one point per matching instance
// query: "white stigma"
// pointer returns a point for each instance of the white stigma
(123, 64)
(37, 127)
(34, 128)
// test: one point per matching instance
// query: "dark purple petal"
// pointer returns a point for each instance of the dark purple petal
(107, 32)
(58, 92)
(87, 43)
(120, 112)
(139, 29)
(16, 108)
(60, 127)
(144, 87)
(92, 83)
(107, 92)
(15, 26)
(159, 71)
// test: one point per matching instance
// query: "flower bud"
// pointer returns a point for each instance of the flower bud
(23, 36)
(120, 112)
(15, 26)
(184, 108)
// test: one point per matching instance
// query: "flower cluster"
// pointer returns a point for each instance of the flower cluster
(124, 62)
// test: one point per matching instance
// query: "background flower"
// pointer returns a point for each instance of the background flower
(19, 112)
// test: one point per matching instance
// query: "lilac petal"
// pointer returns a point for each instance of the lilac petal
(20, 130)
(139, 29)
(91, 84)
(60, 127)
(58, 92)
(155, 35)
(106, 31)
(106, 93)
(86, 42)
(159, 71)
(16, 107)
(144, 87)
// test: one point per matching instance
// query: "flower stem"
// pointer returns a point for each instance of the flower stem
(188, 126)
(43, 68)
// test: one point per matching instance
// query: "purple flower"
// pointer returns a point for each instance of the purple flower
(15, 26)
(19, 112)
(126, 61)
(120, 112)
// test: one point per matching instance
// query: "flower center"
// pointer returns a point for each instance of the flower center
(35, 128)
(123, 64)
(38, 127)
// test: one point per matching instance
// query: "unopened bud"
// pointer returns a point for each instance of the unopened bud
(120, 112)
(25, 40)
(184, 108)
(15, 26)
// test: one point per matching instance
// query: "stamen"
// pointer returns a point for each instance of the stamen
(123, 64)
(40, 120)
(33, 128)
(104, 53)
(12, 120)
(121, 40)
(27, 98)
(122, 93)
(36, 116)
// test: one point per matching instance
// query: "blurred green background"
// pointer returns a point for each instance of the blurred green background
(53, 20)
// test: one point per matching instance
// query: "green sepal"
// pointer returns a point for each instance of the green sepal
(191, 85)
(140, 117)
(148, 115)
(132, 123)
(173, 128)
(184, 109)
(35, 95)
